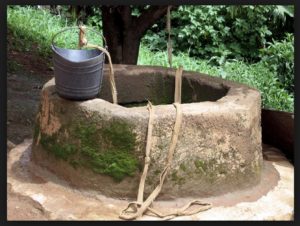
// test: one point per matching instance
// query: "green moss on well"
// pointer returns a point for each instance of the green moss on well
(211, 169)
(114, 163)
(183, 167)
(85, 132)
(108, 149)
(60, 150)
(177, 179)
(200, 166)
(120, 135)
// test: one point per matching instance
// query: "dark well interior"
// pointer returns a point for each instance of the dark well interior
(135, 89)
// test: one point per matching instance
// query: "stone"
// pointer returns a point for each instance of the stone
(97, 145)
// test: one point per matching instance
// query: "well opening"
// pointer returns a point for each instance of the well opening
(159, 89)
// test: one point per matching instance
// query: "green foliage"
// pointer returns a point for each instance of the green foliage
(205, 31)
(160, 58)
(95, 19)
(219, 32)
(32, 30)
(256, 75)
(282, 11)
(279, 58)
(260, 77)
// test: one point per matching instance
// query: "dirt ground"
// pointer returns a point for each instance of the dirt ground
(25, 77)
(26, 74)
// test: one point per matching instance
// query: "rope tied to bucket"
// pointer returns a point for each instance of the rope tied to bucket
(83, 42)
(136, 209)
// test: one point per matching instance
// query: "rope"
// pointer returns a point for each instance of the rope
(184, 211)
(111, 74)
(137, 209)
(147, 157)
(83, 42)
(169, 44)
(178, 84)
(140, 207)
(82, 39)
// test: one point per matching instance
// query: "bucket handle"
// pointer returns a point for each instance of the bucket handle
(69, 28)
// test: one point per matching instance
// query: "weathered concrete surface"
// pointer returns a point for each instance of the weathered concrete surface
(283, 124)
(54, 199)
(97, 145)
(10, 145)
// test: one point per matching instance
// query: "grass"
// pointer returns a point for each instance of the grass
(30, 28)
(33, 29)
(255, 75)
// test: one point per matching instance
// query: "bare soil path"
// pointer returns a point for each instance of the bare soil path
(25, 77)
(26, 74)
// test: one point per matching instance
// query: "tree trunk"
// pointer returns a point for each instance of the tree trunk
(123, 43)
(123, 32)
(130, 47)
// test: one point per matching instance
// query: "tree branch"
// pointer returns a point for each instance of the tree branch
(148, 18)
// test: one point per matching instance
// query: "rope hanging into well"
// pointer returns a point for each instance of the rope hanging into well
(83, 42)
(169, 44)
(136, 209)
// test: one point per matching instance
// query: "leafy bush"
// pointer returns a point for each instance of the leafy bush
(220, 32)
(262, 78)
(95, 19)
(279, 58)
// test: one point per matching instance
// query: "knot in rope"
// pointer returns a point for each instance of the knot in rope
(147, 160)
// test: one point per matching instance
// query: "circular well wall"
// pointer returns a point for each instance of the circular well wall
(97, 145)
